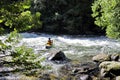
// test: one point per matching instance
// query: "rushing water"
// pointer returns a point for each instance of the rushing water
(75, 47)
(80, 48)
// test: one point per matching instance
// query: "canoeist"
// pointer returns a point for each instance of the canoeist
(49, 43)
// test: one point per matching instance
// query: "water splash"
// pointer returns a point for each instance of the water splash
(71, 45)
(75, 47)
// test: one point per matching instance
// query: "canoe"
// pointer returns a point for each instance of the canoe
(48, 46)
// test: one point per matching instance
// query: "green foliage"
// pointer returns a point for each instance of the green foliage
(17, 14)
(2, 45)
(25, 57)
(19, 56)
(107, 15)
(1, 30)
(14, 37)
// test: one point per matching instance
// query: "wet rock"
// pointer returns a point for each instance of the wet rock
(89, 68)
(101, 58)
(44, 77)
(1, 74)
(117, 78)
(81, 71)
(83, 77)
(114, 57)
(86, 68)
(58, 57)
(104, 73)
(119, 59)
(110, 68)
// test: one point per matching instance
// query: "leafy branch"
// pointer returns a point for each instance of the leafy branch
(18, 57)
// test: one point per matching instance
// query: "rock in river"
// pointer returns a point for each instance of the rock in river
(110, 68)
(57, 56)
(101, 57)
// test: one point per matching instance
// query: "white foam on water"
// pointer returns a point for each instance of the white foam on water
(73, 47)
(71, 44)
(90, 41)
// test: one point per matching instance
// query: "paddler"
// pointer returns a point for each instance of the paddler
(49, 43)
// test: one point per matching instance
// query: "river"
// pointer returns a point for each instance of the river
(75, 47)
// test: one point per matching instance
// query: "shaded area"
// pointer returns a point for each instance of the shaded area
(65, 16)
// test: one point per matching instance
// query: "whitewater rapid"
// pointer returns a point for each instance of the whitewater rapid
(75, 47)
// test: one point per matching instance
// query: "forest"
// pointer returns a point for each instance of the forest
(88, 17)
(66, 17)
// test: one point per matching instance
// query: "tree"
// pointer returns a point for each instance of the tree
(17, 14)
(107, 16)
(66, 16)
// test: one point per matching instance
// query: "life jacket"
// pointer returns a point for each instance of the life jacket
(49, 43)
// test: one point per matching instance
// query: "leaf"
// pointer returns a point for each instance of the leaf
(26, 6)
(1, 21)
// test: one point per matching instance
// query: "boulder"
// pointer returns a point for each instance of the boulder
(86, 68)
(101, 58)
(117, 78)
(110, 68)
(114, 57)
(83, 77)
(57, 56)
(81, 71)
